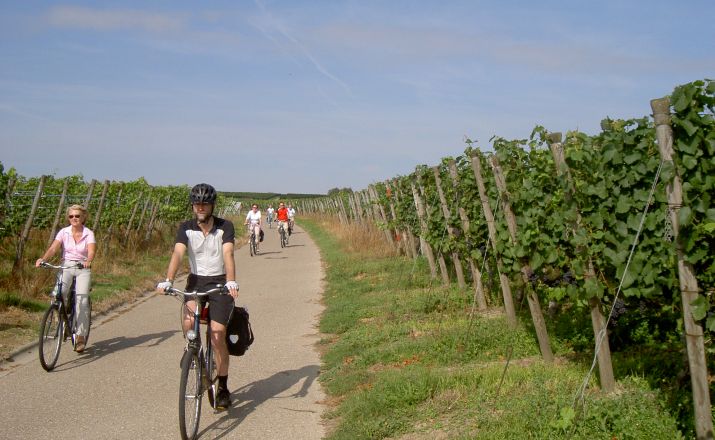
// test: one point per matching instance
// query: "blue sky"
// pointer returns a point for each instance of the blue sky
(304, 96)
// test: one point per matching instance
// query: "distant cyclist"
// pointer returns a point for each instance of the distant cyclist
(253, 220)
(282, 218)
(270, 211)
(291, 219)
(78, 245)
(209, 240)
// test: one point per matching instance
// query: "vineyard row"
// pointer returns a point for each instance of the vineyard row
(627, 213)
(116, 209)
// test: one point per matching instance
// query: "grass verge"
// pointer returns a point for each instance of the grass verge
(402, 359)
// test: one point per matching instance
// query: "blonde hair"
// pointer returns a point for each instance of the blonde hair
(82, 212)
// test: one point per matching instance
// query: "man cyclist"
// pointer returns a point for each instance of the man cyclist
(282, 218)
(253, 221)
(270, 212)
(291, 219)
(210, 242)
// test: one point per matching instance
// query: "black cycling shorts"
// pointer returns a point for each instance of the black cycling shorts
(220, 304)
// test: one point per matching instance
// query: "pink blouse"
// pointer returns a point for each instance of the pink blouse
(75, 251)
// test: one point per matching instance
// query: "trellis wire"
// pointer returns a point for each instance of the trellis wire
(602, 334)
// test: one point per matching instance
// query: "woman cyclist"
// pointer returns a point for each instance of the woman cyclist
(78, 245)
(253, 220)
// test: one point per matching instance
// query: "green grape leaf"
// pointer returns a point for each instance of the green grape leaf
(685, 214)
(699, 308)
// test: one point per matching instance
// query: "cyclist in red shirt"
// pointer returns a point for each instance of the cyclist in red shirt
(282, 218)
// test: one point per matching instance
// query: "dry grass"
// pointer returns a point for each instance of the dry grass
(362, 239)
(116, 258)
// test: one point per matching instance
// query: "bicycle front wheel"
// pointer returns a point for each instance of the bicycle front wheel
(190, 395)
(51, 334)
(211, 374)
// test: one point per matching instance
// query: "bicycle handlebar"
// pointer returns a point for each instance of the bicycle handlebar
(174, 291)
(47, 265)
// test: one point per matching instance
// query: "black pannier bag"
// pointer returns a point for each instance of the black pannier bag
(239, 335)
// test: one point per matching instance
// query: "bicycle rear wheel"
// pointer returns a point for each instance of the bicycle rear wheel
(190, 395)
(51, 335)
(89, 323)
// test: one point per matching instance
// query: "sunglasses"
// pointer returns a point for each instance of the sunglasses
(74, 216)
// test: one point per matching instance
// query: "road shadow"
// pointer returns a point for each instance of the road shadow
(276, 258)
(267, 253)
(249, 397)
(104, 347)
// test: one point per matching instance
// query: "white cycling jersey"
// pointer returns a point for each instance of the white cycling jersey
(253, 217)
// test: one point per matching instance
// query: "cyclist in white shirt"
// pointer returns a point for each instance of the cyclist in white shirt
(270, 212)
(253, 220)
(291, 218)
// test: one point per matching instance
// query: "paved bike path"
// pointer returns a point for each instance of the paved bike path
(125, 385)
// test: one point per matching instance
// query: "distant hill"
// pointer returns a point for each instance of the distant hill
(268, 196)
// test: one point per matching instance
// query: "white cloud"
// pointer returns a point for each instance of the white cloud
(277, 26)
(113, 19)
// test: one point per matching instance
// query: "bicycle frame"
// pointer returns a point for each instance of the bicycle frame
(51, 337)
(66, 308)
(193, 335)
(283, 233)
(252, 241)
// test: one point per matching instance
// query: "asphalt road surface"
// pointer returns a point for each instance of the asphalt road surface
(126, 384)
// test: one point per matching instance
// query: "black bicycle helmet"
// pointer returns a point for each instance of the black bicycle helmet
(203, 193)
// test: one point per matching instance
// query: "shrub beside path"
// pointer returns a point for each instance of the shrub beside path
(125, 385)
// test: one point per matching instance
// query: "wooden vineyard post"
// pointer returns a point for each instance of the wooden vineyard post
(356, 207)
(476, 273)
(424, 245)
(98, 215)
(410, 237)
(338, 208)
(686, 276)
(150, 226)
(489, 217)
(598, 321)
(534, 306)
(341, 206)
(108, 236)
(379, 212)
(147, 202)
(90, 190)
(363, 202)
(440, 258)
(131, 217)
(359, 215)
(58, 213)
(364, 209)
(450, 230)
(397, 233)
(28, 224)
(407, 233)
